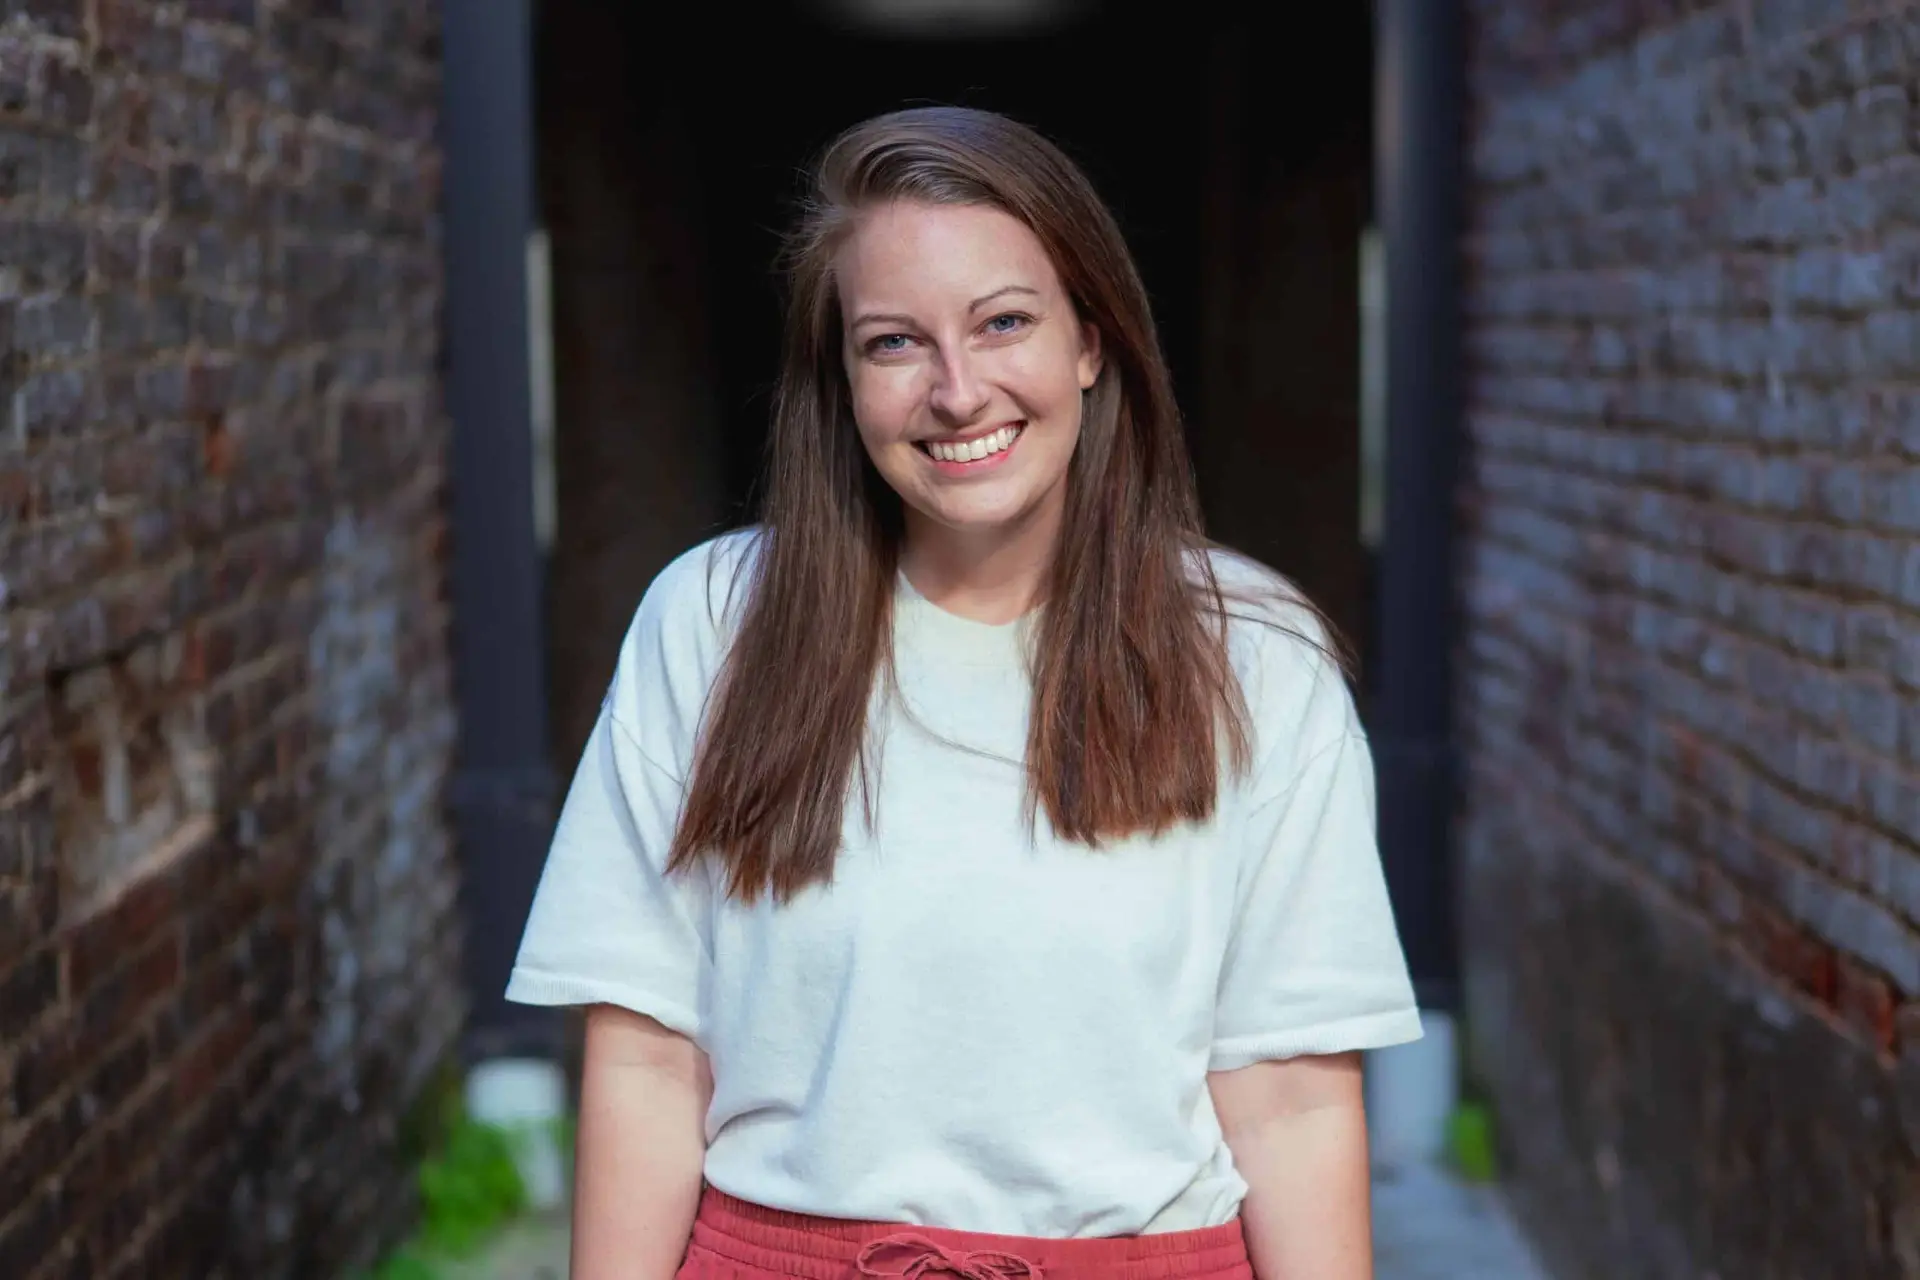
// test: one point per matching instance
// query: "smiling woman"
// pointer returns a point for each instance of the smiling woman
(973, 868)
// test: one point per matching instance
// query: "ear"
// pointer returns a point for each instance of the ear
(1089, 365)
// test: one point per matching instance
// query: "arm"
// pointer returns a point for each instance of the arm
(642, 1144)
(1298, 1132)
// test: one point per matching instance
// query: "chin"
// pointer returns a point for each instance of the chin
(984, 517)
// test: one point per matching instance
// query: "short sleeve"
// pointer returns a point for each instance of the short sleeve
(608, 924)
(1314, 963)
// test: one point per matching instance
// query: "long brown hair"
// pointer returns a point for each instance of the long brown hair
(1136, 709)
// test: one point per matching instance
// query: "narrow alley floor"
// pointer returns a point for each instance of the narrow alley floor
(1426, 1227)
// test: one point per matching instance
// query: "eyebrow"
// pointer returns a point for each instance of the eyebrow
(894, 317)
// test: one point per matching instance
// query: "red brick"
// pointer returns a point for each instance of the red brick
(31, 1232)
(1819, 970)
(108, 938)
(219, 446)
(212, 986)
(154, 971)
(36, 1148)
(43, 1065)
(206, 1061)
(1868, 1004)
(29, 989)
(29, 907)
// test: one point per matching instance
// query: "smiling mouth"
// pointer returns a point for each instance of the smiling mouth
(979, 449)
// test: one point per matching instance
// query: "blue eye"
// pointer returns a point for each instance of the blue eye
(1011, 322)
(889, 342)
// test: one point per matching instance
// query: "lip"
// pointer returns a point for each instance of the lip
(974, 466)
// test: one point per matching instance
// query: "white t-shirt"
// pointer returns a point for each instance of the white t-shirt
(976, 1025)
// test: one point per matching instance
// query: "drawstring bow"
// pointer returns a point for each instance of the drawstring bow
(911, 1257)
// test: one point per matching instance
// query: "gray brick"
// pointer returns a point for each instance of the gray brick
(1723, 465)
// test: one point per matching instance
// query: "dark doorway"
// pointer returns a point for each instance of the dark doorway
(1237, 155)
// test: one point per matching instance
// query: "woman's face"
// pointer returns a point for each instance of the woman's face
(966, 361)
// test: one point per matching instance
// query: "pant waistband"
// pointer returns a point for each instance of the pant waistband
(775, 1241)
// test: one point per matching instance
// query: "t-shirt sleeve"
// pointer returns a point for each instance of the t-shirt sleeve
(608, 924)
(1314, 963)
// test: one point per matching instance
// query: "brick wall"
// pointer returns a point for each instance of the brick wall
(227, 950)
(1690, 700)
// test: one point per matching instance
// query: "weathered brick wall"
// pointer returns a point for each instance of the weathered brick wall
(1691, 688)
(227, 943)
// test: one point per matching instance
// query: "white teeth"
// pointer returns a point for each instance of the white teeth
(973, 450)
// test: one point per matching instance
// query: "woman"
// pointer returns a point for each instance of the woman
(972, 871)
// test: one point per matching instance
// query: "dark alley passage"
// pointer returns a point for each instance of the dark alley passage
(363, 362)
(1238, 160)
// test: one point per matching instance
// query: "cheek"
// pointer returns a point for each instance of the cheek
(883, 404)
(1050, 380)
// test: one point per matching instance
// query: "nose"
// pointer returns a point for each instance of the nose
(959, 393)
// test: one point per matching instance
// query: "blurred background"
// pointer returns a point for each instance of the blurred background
(365, 359)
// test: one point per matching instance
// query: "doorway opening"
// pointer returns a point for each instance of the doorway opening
(1237, 155)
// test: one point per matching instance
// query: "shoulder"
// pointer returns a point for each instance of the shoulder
(1275, 636)
(677, 640)
(701, 592)
(1287, 661)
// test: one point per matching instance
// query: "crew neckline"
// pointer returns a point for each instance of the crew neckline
(925, 625)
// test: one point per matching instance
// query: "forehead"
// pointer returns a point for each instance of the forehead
(902, 254)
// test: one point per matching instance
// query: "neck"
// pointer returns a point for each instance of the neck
(988, 576)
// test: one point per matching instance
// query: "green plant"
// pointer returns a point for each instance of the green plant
(406, 1264)
(437, 1107)
(469, 1188)
(1470, 1144)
